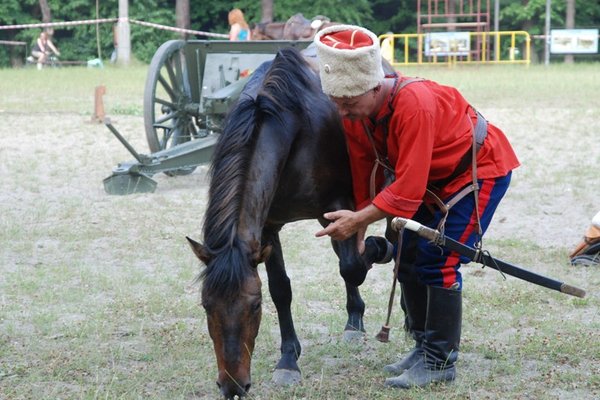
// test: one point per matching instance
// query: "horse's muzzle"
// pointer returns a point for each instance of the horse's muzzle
(230, 389)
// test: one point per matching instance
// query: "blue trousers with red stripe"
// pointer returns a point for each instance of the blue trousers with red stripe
(436, 266)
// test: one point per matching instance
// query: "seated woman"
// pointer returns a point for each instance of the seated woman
(43, 48)
(239, 27)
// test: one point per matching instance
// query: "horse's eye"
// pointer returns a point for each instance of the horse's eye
(256, 306)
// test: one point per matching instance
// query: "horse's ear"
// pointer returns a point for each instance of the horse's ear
(199, 250)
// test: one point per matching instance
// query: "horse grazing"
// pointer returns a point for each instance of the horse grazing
(297, 27)
(281, 158)
(300, 28)
(268, 31)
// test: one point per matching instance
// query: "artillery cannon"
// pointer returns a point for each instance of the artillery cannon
(189, 89)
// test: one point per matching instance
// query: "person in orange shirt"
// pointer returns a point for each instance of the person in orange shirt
(415, 146)
(239, 29)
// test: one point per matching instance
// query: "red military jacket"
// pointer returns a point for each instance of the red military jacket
(429, 131)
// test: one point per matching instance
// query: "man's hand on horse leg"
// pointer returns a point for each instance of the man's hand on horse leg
(344, 224)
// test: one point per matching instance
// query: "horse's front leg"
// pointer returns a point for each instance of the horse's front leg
(286, 370)
(354, 270)
(355, 306)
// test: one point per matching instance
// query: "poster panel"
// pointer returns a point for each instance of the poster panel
(574, 41)
(447, 44)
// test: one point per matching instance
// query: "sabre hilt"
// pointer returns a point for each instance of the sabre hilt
(423, 231)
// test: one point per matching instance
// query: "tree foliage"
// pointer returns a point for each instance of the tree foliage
(530, 15)
(79, 42)
(399, 16)
(515, 12)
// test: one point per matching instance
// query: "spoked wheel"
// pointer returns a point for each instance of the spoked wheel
(169, 114)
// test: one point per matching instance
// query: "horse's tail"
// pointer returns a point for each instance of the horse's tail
(228, 175)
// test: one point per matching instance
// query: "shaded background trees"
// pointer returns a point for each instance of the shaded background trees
(399, 16)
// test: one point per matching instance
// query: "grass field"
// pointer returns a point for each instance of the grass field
(97, 299)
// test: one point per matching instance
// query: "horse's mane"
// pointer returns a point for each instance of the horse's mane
(290, 85)
(287, 85)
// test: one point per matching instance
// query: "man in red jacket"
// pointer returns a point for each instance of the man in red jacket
(417, 150)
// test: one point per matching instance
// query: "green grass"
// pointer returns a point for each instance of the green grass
(64, 89)
(520, 86)
(71, 89)
(96, 293)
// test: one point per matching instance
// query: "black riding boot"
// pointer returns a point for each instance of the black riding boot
(414, 304)
(440, 342)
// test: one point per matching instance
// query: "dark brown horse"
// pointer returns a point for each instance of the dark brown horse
(281, 158)
(268, 31)
(300, 28)
(296, 28)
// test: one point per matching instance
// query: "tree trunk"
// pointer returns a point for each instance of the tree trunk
(451, 12)
(45, 8)
(17, 54)
(182, 16)
(267, 10)
(535, 58)
(124, 34)
(570, 24)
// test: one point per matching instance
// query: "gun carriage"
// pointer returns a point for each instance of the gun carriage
(189, 88)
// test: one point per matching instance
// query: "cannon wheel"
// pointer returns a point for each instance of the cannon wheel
(167, 120)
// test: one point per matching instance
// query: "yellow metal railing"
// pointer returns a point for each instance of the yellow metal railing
(500, 47)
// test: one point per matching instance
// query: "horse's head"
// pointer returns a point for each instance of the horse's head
(257, 31)
(268, 31)
(232, 299)
(297, 27)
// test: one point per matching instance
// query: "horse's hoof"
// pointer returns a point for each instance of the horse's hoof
(286, 377)
(353, 336)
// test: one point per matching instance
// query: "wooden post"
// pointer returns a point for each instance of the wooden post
(99, 104)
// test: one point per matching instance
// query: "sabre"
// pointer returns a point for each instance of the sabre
(484, 258)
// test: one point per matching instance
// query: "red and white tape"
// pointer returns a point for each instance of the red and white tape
(13, 43)
(170, 28)
(106, 20)
(53, 24)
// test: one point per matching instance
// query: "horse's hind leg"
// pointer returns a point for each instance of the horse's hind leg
(286, 370)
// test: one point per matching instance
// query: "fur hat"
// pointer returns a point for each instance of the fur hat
(349, 60)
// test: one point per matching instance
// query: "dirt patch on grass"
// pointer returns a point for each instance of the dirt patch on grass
(107, 281)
